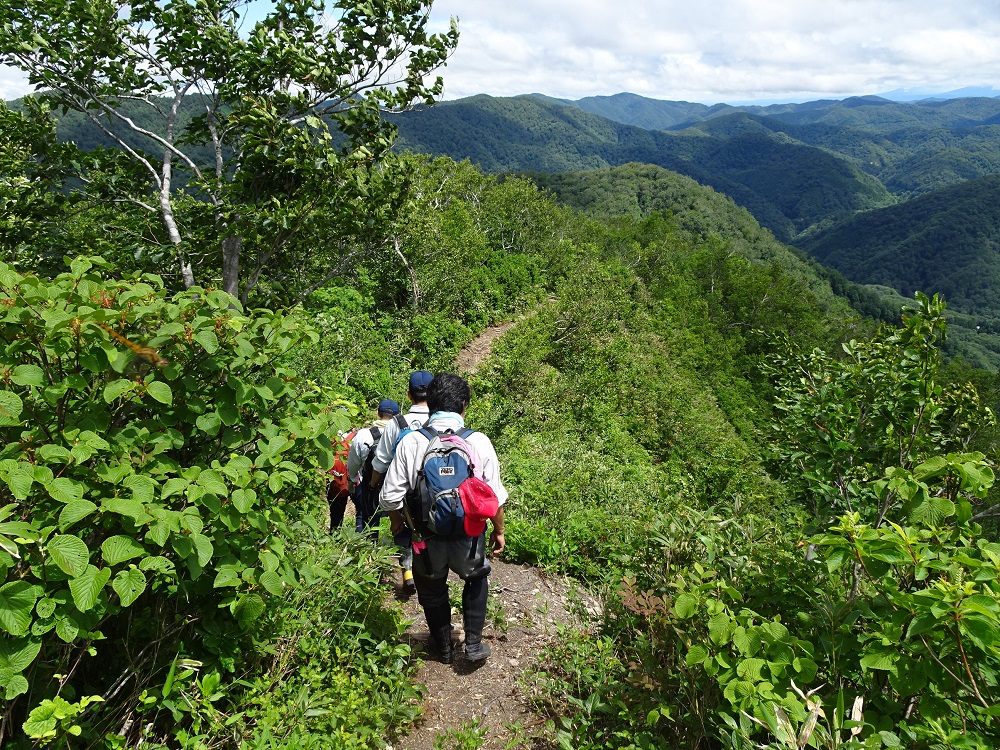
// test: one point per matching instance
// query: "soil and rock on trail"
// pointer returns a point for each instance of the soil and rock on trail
(526, 606)
(479, 349)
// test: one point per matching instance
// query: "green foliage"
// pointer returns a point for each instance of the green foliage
(844, 421)
(467, 737)
(275, 130)
(739, 628)
(139, 477)
(340, 675)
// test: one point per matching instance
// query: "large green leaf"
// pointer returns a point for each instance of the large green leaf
(70, 553)
(11, 407)
(20, 480)
(65, 490)
(213, 482)
(129, 585)
(14, 686)
(209, 423)
(28, 375)
(161, 392)
(86, 588)
(248, 608)
(117, 549)
(685, 606)
(75, 511)
(117, 389)
(17, 654)
(67, 629)
(125, 506)
(271, 582)
(208, 339)
(16, 602)
(243, 500)
(203, 546)
(52, 453)
(143, 488)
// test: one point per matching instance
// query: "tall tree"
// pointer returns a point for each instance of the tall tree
(262, 147)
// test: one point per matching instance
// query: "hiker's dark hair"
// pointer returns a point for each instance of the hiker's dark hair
(448, 392)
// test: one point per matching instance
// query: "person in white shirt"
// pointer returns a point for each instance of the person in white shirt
(358, 466)
(447, 399)
(386, 449)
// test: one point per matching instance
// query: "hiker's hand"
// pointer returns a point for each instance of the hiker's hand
(497, 542)
(396, 523)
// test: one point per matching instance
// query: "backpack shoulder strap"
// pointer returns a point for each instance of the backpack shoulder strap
(429, 432)
(465, 432)
(376, 434)
(401, 422)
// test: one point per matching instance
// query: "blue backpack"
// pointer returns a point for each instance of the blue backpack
(404, 429)
(444, 467)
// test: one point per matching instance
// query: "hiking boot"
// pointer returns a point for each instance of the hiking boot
(444, 650)
(477, 651)
(409, 588)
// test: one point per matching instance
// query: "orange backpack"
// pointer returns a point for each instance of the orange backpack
(338, 472)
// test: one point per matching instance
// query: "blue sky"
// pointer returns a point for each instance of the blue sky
(712, 50)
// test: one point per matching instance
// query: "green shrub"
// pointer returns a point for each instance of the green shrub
(149, 478)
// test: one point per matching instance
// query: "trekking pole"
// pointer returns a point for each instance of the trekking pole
(416, 540)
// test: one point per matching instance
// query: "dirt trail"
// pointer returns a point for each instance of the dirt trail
(525, 606)
(476, 351)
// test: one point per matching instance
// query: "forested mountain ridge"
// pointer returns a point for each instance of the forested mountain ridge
(868, 112)
(788, 186)
(945, 242)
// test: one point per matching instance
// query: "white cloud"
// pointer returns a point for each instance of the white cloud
(720, 50)
(710, 50)
(13, 83)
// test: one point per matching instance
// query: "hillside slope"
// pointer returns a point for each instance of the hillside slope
(637, 191)
(788, 186)
(946, 242)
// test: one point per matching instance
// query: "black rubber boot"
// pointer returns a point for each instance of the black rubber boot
(474, 597)
(439, 624)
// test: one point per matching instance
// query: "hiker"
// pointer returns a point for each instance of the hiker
(339, 491)
(412, 420)
(359, 466)
(464, 549)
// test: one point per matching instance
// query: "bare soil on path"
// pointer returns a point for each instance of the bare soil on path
(526, 605)
(479, 349)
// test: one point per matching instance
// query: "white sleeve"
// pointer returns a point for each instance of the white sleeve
(383, 451)
(402, 474)
(354, 459)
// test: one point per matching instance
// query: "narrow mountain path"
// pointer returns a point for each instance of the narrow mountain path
(479, 349)
(526, 605)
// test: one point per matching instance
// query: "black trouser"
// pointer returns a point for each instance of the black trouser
(466, 556)
(338, 504)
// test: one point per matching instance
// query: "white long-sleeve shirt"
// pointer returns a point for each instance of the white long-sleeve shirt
(403, 471)
(361, 445)
(415, 417)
